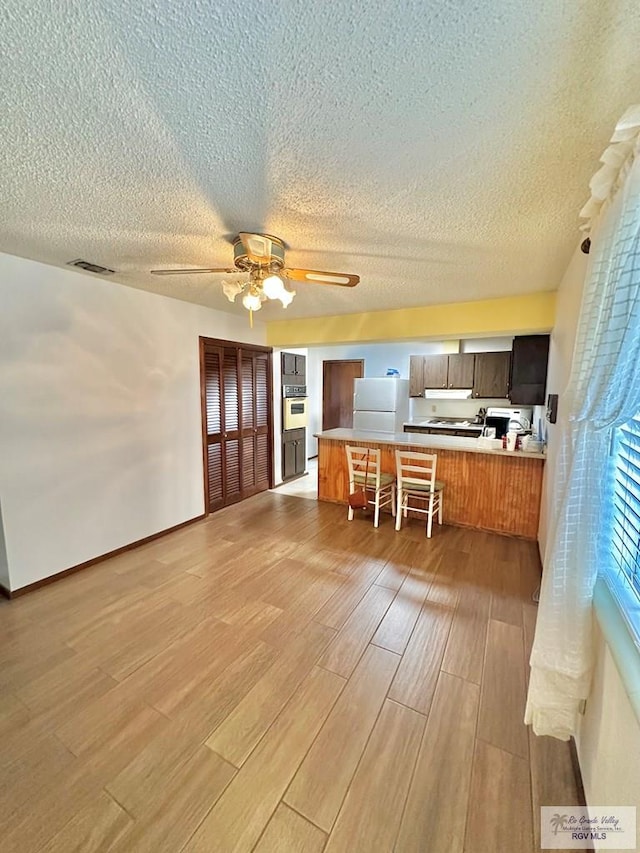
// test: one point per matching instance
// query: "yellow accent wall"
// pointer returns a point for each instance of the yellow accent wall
(511, 315)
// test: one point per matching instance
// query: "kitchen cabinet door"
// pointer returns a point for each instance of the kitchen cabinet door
(491, 374)
(288, 363)
(293, 369)
(529, 371)
(301, 455)
(416, 376)
(435, 370)
(294, 455)
(301, 369)
(460, 370)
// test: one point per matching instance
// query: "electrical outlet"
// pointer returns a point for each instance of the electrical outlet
(434, 409)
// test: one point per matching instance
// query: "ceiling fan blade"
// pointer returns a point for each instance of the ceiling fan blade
(342, 279)
(226, 270)
(257, 246)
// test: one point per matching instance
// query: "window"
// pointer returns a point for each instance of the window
(624, 572)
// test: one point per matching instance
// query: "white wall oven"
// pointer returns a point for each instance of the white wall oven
(294, 414)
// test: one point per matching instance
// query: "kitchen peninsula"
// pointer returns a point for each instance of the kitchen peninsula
(494, 490)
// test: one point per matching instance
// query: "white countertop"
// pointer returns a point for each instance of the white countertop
(416, 439)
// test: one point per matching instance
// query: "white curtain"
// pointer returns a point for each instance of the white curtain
(603, 392)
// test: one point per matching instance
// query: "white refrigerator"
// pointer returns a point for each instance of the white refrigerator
(380, 404)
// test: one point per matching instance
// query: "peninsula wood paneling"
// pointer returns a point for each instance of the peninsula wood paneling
(497, 493)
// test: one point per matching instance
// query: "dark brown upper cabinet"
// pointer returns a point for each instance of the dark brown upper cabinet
(529, 370)
(294, 369)
(440, 371)
(460, 370)
(435, 371)
(416, 376)
(491, 376)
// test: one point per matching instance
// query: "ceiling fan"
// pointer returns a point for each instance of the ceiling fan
(262, 257)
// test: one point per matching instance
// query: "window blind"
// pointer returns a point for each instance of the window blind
(625, 534)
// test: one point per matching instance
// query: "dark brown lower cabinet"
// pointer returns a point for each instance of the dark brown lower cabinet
(237, 421)
(294, 455)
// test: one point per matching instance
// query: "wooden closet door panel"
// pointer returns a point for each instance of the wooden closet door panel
(231, 392)
(232, 471)
(248, 390)
(213, 390)
(262, 461)
(213, 394)
(248, 407)
(248, 463)
(214, 471)
(262, 392)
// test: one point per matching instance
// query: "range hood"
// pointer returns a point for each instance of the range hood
(448, 393)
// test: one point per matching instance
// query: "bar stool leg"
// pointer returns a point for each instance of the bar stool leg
(430, 516)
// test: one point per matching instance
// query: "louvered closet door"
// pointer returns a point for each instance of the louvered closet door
(262, 415)
(231, 457)
(237, 392)
(213, 358)
(255, 422)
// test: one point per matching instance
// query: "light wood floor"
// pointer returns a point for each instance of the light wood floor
(277, 679)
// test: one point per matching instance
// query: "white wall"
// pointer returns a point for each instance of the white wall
(100, 429)
(608, 742)
(4, 563)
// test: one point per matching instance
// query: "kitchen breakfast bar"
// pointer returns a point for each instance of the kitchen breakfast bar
(494, 490)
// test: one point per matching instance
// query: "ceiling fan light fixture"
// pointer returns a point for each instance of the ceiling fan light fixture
(273, 286)
(286, 297)
(231, 289)
(252, 301)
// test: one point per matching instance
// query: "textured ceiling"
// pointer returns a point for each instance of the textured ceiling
(441, 150)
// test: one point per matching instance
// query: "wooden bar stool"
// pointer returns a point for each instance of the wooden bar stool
(364, 463)
(416, 476)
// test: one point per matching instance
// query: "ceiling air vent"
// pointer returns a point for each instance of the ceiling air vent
(89, 267)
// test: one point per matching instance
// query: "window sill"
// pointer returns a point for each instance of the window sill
(621, 642)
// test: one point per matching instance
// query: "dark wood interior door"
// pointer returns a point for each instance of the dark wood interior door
(237, 421)
(337, 392)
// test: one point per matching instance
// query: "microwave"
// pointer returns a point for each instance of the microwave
(294, 412)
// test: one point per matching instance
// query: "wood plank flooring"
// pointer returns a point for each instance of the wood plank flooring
(275, 678)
